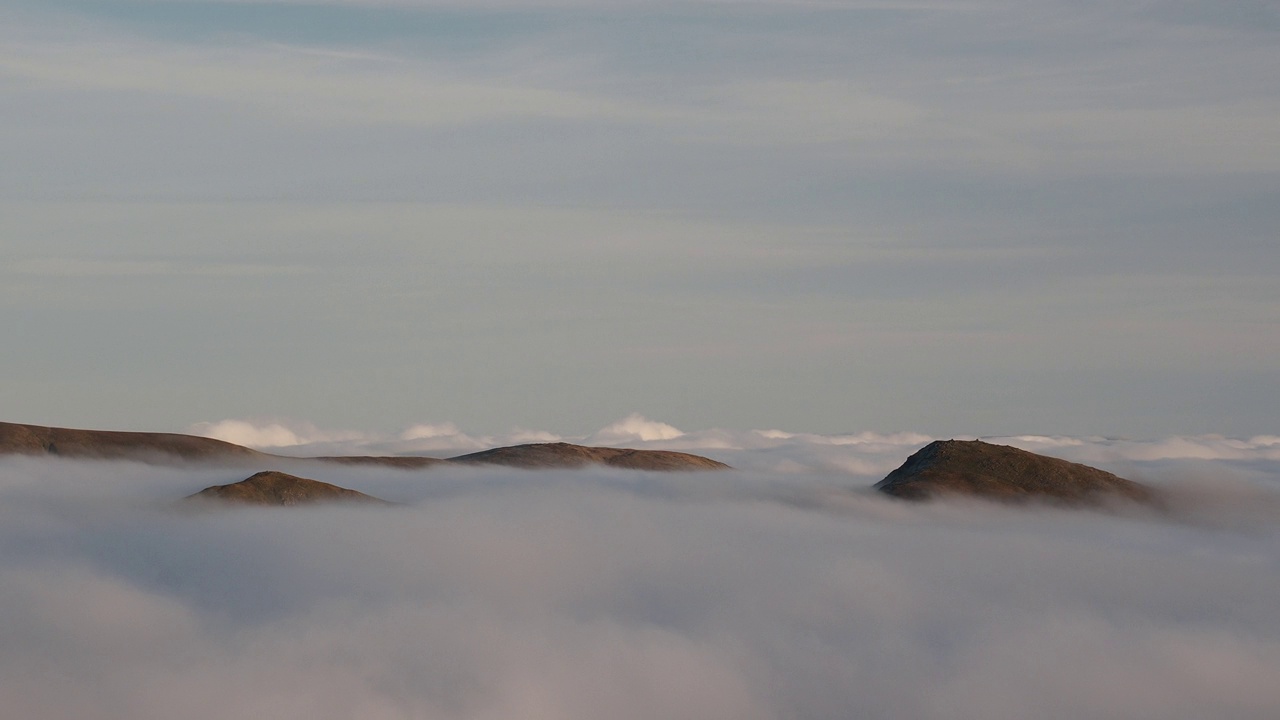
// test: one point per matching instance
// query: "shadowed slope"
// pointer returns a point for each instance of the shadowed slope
(566, 455)
(998, 472)
(276, 488)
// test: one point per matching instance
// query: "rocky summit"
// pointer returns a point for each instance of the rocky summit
(276, 488)
(998, 472)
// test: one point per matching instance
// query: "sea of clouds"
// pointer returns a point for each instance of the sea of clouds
(782, 589)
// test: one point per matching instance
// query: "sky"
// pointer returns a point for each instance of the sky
(960, 218)
(783, 589)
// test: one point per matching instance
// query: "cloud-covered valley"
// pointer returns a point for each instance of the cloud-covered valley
(784, 589)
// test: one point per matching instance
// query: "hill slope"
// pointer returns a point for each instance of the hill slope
(107, 444)
(276, 488)
(566, 455)
(998, 472)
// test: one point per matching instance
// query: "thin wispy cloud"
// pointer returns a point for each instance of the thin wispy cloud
(300, 87)
(880, 214)
(80, 267)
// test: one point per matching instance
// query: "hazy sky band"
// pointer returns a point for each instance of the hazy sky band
(978, 219)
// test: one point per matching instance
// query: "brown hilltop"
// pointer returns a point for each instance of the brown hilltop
(112, 445)
(998, 472)
(276, 488)
(566, 455)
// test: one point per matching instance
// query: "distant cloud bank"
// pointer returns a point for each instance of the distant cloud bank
(865, 453)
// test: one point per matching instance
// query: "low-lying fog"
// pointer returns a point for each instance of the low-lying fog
(784, 589)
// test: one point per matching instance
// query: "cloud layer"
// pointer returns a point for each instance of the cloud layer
(496, 593)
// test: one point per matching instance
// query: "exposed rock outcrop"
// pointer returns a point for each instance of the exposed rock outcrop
(997, 472)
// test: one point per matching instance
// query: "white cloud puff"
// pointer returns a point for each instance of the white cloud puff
(634, 428)
(271, 434)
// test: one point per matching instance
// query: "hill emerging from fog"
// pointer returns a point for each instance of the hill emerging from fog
(950, 468)
(276, 488)
(566, 455)
(158, 447)
(112, 445)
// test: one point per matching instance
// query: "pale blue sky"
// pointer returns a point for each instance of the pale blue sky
(953, 218)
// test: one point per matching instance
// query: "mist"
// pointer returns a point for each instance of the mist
(784, 589)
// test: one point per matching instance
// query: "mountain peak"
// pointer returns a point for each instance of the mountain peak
(999, 472)
(270, 487)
